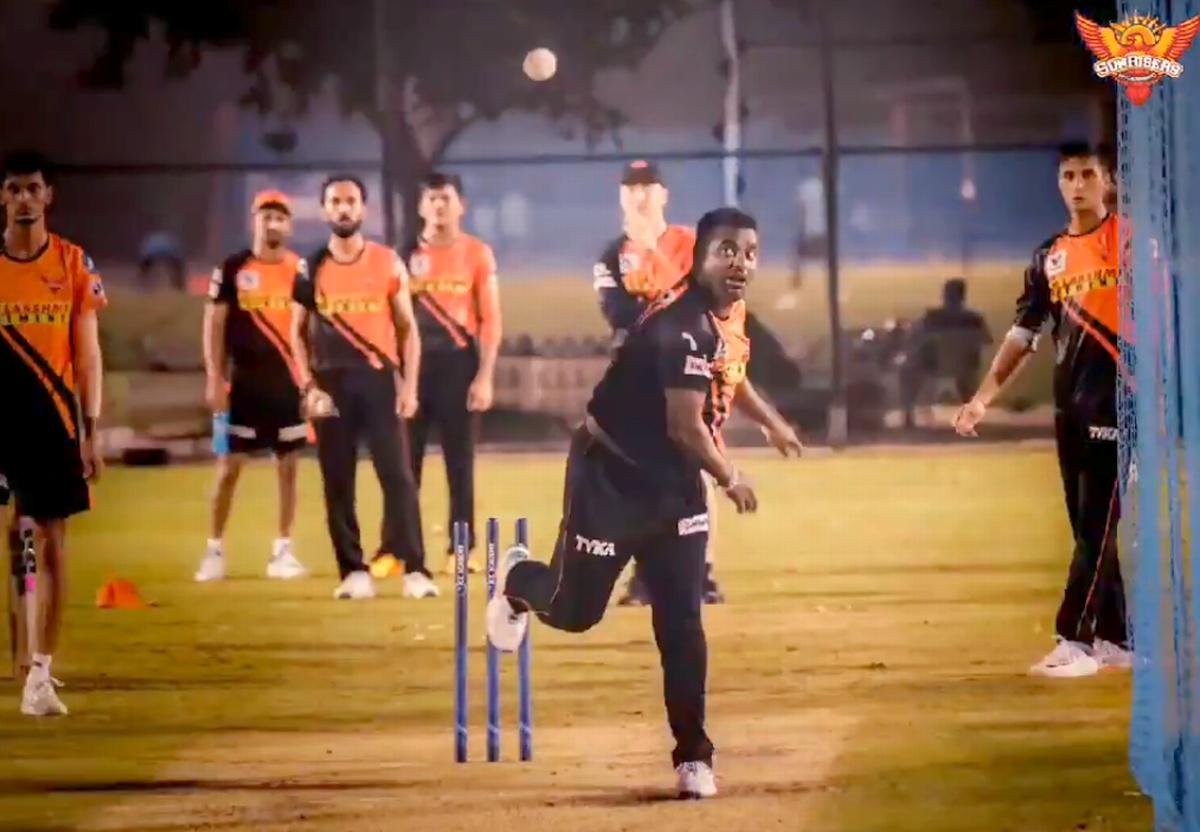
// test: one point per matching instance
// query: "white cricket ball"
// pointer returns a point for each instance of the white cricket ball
(540, 64)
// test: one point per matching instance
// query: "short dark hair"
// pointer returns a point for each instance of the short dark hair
(335, 178)
(436, 179)
(1086, 150)
(954, 289)
(710, 222)
(26, 163)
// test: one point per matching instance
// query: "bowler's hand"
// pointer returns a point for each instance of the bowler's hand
(968, 417)
(741, 493)
(784, 439)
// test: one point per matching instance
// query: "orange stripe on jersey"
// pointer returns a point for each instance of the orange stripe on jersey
(276, 340)
(65, 409)
(1094, 331)
(460, 280)
(356, 298)
(431, 306)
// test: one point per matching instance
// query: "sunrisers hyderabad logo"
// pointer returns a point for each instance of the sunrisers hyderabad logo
(1137, 52)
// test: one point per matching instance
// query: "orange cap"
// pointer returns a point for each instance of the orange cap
(271, 198)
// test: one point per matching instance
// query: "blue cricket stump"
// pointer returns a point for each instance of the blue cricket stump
(460, 537)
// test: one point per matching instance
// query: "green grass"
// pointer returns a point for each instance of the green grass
(867, 674)
(137, 326)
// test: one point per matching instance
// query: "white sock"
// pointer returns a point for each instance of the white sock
(40, 668)
(282, 544)
(216, 546)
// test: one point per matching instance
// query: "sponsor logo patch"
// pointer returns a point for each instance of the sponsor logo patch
(598, 548)
(696, 365)
(693, 525)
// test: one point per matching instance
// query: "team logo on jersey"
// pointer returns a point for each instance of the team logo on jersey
(629, 263)
(248, 281)
(1056, 263)
(418, 264)
(54, 283)
(1138, 51)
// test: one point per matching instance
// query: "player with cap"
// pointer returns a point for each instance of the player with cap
(252, 385)
(648, 259)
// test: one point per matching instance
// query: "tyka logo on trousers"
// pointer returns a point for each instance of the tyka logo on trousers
(599, 548)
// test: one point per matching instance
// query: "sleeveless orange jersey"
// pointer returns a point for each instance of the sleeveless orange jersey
(40, 299)
(455, 294)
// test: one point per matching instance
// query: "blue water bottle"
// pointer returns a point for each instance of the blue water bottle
(220, 433)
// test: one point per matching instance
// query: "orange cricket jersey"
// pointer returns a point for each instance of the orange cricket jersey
(1074, 282)
(729, 365)
(258, 329)
(353, 325)
(647, 274)
(40, 300)
(455, 293)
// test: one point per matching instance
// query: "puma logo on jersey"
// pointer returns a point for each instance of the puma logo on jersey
(599, 548)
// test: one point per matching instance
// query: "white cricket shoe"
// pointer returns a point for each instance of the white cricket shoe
(695, 781)
(419, 585)
(1112, 655)
(40, 697)
(283, 563)
(357, 586)
(1068, 660)
(212, 568)
(505, 626)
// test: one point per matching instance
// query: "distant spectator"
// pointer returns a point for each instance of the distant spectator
(160, 263)
(946, 343)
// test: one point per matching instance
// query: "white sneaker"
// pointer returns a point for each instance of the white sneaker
(695, 781)
(357, 586)
(1068, 660)
(283, 563)
(419, 585)
(212, 568)
(505, 626)
(40, 697)
(1112, 655)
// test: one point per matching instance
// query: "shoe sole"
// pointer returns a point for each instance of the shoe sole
(1056, 673)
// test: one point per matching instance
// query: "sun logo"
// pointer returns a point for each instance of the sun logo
(1137, 52)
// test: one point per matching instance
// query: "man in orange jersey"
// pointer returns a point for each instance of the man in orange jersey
(251, 383)
(51, 365)
(358, 355)
(457, 306)
(1072, 282)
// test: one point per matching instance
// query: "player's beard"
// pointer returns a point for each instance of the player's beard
(346, 228)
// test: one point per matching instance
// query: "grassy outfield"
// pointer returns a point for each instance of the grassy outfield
(867, 675)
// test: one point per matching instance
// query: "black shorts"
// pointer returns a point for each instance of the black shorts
(261, 418)
(44, 471)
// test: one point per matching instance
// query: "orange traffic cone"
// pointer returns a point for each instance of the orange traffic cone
(119, 594)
